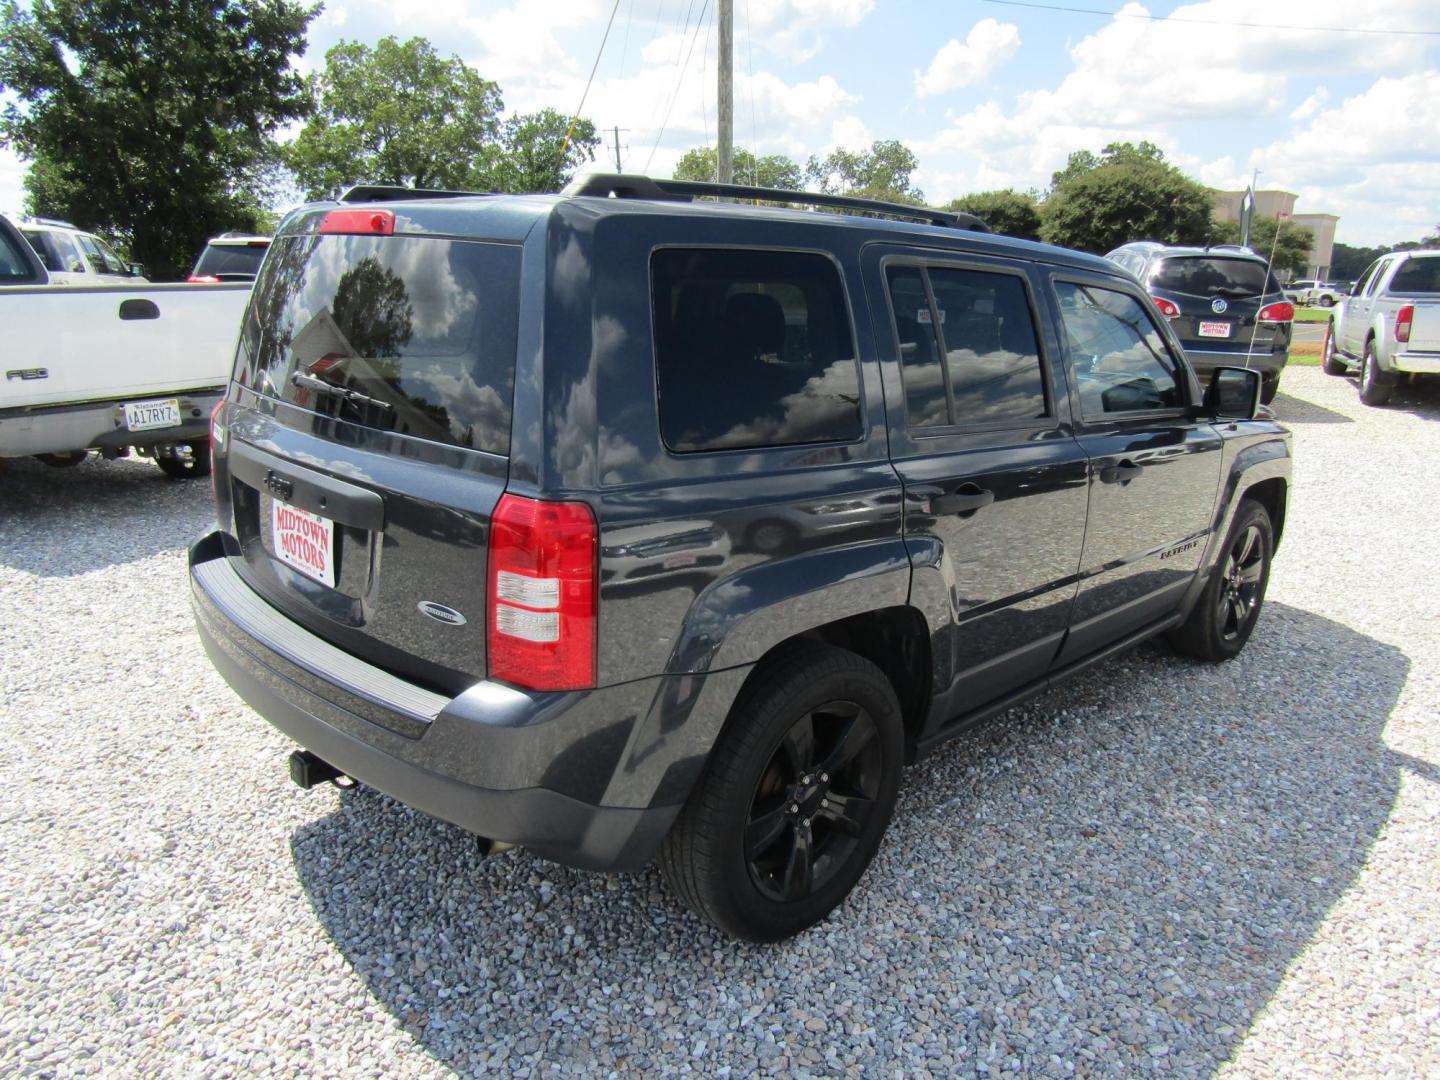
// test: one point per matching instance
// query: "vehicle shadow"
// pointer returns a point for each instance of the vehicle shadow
(1295, 410)
(1123, 868)
(98, 514)
(1419, 397)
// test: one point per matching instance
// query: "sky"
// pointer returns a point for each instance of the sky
(987, 94)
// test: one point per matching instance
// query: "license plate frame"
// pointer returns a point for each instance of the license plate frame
(151, 415)
(1216, 329)
(303, 541)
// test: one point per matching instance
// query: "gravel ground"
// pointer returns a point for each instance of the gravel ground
(1162, 868)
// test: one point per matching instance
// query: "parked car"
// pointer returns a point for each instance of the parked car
(1389, 325)
(110, 368)
(229, 257)
(1223, 303)
(461, 430)
(75, 257)
(1297, 292)
(1327, 293)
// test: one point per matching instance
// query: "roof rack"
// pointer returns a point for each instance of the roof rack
(54, 222)
(363, 193)
(626, 186)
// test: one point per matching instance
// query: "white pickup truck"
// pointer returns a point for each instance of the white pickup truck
(1389, 325)
(110, 368)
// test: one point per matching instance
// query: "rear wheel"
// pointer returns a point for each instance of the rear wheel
(1227, 610)
(182, 466)
(1269, 387)
(1375, 385)
(795, 798)
(1327, 301)
(1331, 363)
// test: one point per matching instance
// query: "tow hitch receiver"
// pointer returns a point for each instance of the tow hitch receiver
(307, 771)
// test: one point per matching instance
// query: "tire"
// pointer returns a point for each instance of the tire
(1269, 387)
(1375, 385)
(1327, 301)
(761, 849)
(182, 468)
(1228, 608)
(1330, 362)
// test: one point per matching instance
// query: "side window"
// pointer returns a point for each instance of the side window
(986, 336)
(1120, 358)
(14, 267)
(1366, 278)
(1381, 269)
(113, 263)
(102, 259)
(752, 349)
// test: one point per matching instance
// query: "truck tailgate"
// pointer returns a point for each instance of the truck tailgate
(1425, 328)
(65, 344)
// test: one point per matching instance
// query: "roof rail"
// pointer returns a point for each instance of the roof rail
(30, 219)
(626, 186)
(363, 193)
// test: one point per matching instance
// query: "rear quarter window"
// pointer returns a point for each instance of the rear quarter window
(752, 349)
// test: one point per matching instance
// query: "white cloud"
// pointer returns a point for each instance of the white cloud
(1312, 104)
(794, 30)
(849, 133)
(12, 183)
(988, 45)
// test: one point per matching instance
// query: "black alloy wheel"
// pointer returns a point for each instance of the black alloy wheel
(1242, 576)
(814, 801)
(795, 797)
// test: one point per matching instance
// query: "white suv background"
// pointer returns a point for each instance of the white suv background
(75, 257)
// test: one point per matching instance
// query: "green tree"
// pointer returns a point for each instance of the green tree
(1006, 211)
(1290, 242)
(1129, 193)
(1117, 153)
(532, 158)
(151, 123)
(396, 114)
(772, 171)
(1348, 262)
(882, 172)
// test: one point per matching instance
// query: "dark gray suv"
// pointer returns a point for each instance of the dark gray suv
(1223, 303)
(619, 524)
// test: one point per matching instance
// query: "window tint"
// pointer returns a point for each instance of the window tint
(423, 328)
(753, 348)
(222, 259)
(1417, 276)
(1119, 356)
(988, 339)
(1209, 276)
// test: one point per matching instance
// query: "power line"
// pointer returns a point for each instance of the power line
(675, 96)
(1212, 22)
(594, 68)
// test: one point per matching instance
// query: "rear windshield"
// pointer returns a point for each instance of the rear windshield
(1206, 275)
(1417, 275)
(218, 259)
(406, 334)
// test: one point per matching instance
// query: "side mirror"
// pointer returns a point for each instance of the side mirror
(136, 269)
(1233, 394)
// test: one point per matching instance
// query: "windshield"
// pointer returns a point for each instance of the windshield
(415, 336)
(222, 260)
(1208, 276)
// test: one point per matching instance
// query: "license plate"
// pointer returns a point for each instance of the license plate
(1215, 329)
(303, 540)
(144, 415)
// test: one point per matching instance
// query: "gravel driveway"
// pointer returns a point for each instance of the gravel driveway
(1162, 868)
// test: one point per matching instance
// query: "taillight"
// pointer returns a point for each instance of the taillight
(359, 222)
(542, 603)
(1404, 319)
(1168, 309)
(1282, 311)
(203, 279)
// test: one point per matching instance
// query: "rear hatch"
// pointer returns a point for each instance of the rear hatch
(1218, 298)
(365, 462)
(230, 260)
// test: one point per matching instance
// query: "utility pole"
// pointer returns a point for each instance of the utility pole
(725, 99)
(618, 167)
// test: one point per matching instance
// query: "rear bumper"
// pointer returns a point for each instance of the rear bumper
(591, 779)
(1205, 361)
(59, 429)
(1416, 363)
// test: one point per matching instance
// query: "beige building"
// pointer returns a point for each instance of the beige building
(1273, 203)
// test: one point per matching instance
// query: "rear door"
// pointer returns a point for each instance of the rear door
(1358, 307)
(369, 442)
(994, 481)
(1154, 468)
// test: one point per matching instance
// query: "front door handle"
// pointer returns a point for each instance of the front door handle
(966, 499)
(1122, 473)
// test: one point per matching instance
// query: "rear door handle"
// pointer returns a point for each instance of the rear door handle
(1122, 473)
(965, 499)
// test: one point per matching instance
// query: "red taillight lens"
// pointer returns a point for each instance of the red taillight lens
(1404, 319)
(359, 222)
(1168, 309)
(203, 279)
(542, 594)
(1284, 311)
